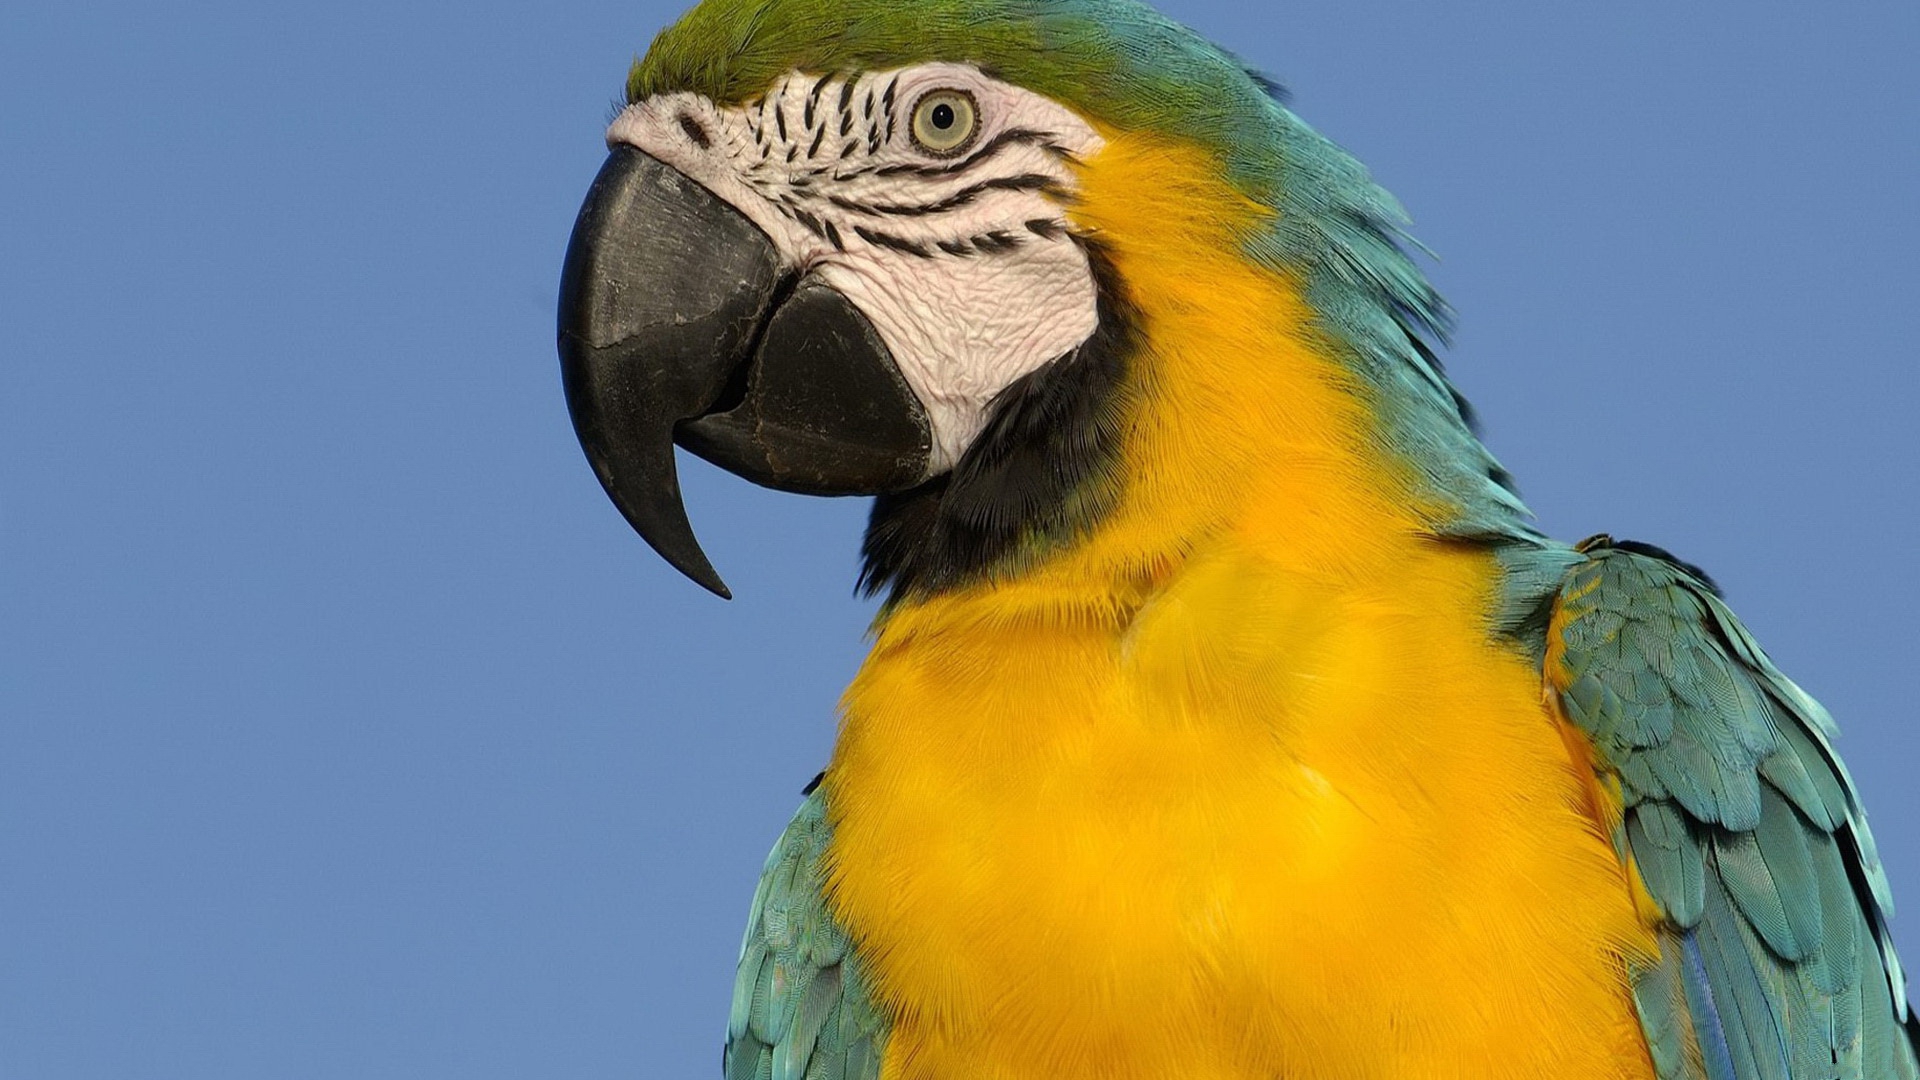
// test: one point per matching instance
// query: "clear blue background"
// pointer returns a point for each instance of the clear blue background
(346, 731)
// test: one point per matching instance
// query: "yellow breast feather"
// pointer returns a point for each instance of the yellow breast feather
(1241, 786)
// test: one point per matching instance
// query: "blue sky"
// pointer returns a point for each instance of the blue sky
(346, 731)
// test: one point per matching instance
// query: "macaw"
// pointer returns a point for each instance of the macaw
(1225, 717)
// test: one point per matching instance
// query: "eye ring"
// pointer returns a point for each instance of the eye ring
(944, 122)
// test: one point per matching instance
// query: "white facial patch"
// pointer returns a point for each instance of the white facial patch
(961, 259)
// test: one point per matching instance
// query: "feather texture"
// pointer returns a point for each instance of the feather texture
(801, 1010)
(1776, 963)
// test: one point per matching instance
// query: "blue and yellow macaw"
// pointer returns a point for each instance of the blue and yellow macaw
(1225, 718)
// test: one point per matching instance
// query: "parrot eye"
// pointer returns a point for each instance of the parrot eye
(944, 121)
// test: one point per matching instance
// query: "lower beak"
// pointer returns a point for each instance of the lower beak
(678, 322)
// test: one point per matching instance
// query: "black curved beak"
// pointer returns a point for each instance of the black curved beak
(678, 323)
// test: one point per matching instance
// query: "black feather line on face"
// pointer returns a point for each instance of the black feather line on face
(813, 100)
(888, 240)
(1012, 137)
(813, 224)
(996, 241)
(1041, 475)
(963, 197)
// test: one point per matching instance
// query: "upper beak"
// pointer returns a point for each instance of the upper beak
(678, 322)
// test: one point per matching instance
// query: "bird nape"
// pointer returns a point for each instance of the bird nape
(1225, 716)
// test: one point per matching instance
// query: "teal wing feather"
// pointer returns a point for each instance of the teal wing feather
(801, 1010)
(1776, 962)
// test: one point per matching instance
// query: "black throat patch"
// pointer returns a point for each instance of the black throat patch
(1041, 474)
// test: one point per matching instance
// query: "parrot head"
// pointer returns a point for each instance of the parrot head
(849, 248)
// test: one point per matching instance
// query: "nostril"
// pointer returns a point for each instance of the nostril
(695, 131)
